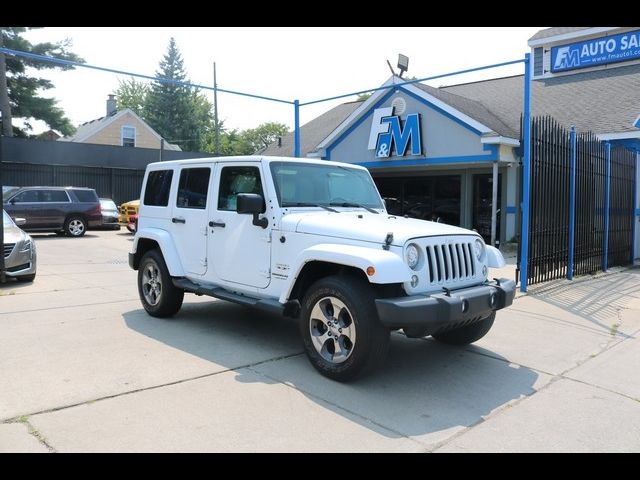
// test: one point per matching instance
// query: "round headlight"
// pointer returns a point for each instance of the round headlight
(478, 246)
(413, 256)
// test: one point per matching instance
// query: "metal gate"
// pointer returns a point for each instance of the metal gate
(621, 207)
(561, 210)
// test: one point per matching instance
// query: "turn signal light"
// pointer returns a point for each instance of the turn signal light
(371, 271)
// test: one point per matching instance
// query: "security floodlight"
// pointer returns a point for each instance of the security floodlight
(403, 63)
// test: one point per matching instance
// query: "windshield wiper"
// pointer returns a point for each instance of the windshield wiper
(352, 204)
(308, 204)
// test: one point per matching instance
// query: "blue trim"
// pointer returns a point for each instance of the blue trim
(434, 160)
(511, 210)
(607, 195)
(635, 202)
(383, 99)
(441, 111)
(356, 123)
(526, 175)
(296, 127)
(572, 203)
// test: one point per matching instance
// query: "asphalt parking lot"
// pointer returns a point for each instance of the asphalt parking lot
(83, 368)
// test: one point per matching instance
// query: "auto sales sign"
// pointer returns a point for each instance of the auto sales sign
(597, 51)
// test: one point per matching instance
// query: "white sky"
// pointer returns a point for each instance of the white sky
(288, 63)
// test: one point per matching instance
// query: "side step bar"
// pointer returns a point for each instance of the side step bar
(289, 309)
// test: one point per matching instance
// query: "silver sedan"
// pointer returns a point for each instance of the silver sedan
(19, 251)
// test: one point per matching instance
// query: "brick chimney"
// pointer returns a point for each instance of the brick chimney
(111, 105)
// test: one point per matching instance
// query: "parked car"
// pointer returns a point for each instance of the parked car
(128, 209)
(19, 250)
(109, 214)
(64, 210)
(311, 239)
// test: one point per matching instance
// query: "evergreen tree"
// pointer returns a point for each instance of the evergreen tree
(180, 114)
(19, 92)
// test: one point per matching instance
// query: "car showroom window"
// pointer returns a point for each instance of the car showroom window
(158, 188)
(193, 186)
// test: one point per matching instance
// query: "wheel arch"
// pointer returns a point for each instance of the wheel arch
(329, 259)
(152, 238)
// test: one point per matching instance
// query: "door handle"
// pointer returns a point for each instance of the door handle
(178, 220)
(217, 224)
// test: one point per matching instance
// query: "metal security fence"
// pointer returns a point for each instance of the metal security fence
(581, 203)
(549, 218)
(621, 206)
(113, 171)
(119, 184)
(591, 159)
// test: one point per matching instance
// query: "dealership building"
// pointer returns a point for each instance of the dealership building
(436, 153)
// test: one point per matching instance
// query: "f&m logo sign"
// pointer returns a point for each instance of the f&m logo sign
(388, 134)
(597, 51)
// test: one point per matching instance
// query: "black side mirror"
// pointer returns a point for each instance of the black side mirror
(252, 204)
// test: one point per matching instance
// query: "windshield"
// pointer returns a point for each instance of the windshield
(6, 219)
(305, 184)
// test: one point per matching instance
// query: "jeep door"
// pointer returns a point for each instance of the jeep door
(239, 251)
(189, 216)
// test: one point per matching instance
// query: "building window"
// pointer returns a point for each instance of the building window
(128, 136)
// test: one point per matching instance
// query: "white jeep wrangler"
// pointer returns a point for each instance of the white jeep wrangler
(311, 239)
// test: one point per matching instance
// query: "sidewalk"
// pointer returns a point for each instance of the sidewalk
(85, 369)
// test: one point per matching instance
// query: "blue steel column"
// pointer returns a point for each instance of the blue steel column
(636, 210)
(526, 174)
(607, 194)
(572, 204)
(296, 128)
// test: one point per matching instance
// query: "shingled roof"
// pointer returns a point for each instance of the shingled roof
(553, 31)
(599, 101)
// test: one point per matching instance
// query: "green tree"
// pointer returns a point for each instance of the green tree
(256, 139)
(19, 92)
(132, 94)
(178, 113)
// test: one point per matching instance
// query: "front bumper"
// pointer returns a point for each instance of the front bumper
(424, 315)
(19, 264)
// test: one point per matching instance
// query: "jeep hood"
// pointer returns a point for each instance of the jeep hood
(367, 227)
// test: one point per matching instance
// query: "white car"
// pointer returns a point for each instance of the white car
(19, 250)
(311, 239)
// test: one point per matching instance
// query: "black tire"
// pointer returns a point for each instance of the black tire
(468, 334)
(159, 296)
(359, 317)
(26, 278)
(75, 226)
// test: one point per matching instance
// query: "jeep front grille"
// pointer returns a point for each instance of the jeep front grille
(447, 262)
(8, 248)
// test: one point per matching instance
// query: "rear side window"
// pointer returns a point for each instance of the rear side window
(193, 187)
(158, 188)
(86, 195)
(53, 196)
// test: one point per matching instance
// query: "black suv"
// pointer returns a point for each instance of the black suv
(69, 210)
